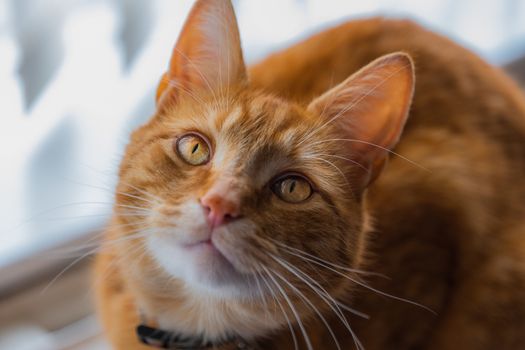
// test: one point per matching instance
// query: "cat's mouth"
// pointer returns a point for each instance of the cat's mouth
(214, 249)
(208, 249)
(203, 244)
(201, 260)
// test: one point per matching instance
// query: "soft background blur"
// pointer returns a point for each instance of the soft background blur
(76, 76)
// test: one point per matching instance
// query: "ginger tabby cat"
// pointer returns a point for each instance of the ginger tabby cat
(257, 210)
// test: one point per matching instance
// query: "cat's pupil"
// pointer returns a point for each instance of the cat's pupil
(292, 186)
(195, 148)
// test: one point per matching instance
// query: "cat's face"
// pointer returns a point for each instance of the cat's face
(234, 197)
(229, 182)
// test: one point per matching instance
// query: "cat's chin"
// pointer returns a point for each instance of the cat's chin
(202, 266)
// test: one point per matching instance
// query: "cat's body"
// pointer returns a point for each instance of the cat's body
(452, 237)
(447, 220)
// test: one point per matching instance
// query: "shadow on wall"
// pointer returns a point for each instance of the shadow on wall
(50, 167)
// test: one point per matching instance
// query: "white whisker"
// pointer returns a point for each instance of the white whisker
(292, 308)
(312, 306)
(374, 145)
(292, 250)
(362, 284)
(325, 296)
(294, 338)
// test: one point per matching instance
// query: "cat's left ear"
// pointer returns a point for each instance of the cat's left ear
(207, 56)
(369, 110)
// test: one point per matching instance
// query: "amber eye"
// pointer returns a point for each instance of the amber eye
(193, 149)
(293, 188)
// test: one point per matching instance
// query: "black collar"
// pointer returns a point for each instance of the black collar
(162, 339)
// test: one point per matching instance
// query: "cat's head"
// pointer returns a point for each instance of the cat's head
(236, 195)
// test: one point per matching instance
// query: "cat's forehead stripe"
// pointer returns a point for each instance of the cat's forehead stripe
(225, 121)
(261, 124)
(225, 158)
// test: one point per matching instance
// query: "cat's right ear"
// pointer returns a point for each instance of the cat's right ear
(207, 56)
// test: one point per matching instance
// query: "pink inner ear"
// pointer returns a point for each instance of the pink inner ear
(369, 110)
(208, 53)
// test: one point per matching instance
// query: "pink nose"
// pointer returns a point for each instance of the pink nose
(218, 209)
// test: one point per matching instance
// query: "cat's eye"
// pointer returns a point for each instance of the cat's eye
(292, 188)
(193, 149)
